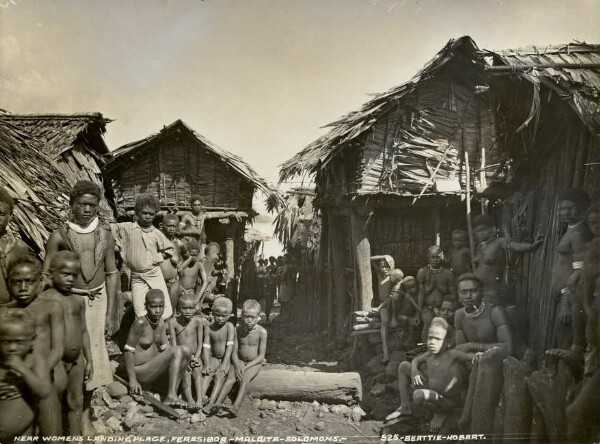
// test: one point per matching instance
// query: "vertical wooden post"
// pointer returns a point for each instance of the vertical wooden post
(437, 221)
(362, 253)
(339, 299)
(469, 221)
(230, 231)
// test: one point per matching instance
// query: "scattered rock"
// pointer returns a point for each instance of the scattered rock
(197, 417)
(375, 366)
(114, 424)
(101, 428)
(152, 415)
(298, 428)
(114, 365)
(256, 402)
(116, 389)
(357, 414)
(377, 390)
(315, 405)
(97, 411)
(324, 409)
(110, 403)
(284, 405)
(320, 425)
(266, 404)
(320, 414)
(133, 418)
(126, 399)
(146, 409)
(340, 410)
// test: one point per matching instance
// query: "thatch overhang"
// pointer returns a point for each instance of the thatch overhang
(124, 155)
(74, 141)
(35, 182)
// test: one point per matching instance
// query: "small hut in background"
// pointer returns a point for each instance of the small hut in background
(175, 164)
(74, 142)
(36, 183)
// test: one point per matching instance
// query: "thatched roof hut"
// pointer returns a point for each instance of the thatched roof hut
(36, 183)
(73, 141)
(391, 178)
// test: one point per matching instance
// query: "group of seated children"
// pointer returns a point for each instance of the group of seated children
(45, 355)
(196, 354)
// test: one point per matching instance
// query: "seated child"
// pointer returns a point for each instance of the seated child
(24, 287)
(193, 279)
(436, 284)
(247, 359)
(147, 352)
(187, 329)
(460, 254)
(217, 348)
(446, 312)
(24, 376)
(405, 307)
(439, 384)
(77, 358)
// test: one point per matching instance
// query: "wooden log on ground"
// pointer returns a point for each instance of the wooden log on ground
(516, 397)
(330, 388)
(549, 391)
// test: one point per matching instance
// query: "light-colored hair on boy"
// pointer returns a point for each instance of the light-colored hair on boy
(251, 304)
(223, 302)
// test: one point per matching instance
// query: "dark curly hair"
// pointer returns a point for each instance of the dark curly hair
(7, 199)
(146, 200)
(82, 188)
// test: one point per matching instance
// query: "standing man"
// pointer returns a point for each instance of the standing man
(97, 280)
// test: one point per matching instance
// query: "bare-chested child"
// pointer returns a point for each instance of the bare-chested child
(187, 329)
(460, 254)
(77, 355)
(406, 309)
(383, 267)
(438, 385)
(170, 225)
(24, 288)
(24, 376)
(247, 359)
(193, 278)
(148, 355)
(436, 284)
(217, 348)
(490, 257)
(11, 247)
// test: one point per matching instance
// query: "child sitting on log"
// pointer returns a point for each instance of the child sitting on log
(438, 385)
(436, 284)
(217, 347)
(460, 254)
(247, 359)
(193, 278)
(24, 284)
(187, 329)
(147, 352)
(24, 377)
(77, 355)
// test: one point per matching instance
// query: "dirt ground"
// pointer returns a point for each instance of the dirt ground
(289, 348)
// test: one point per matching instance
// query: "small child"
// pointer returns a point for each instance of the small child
(24, 377)
(170, 224)
(439, 386)
(385, 308)
(193, 279)
(24, 288)
(460, 254)
(217, 348)
(77, 357)
(247, 359)
(405, 307)
(147, 352)
(187, 329)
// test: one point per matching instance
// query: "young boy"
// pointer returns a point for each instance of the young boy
(193, 279)
(187, 329)
(143, 247)
(436, 284)
(147, 352)
(460, 254)
(24, 377)
(405, 307)
(270, 292)
(170, 224)
(247, 359)
(438, 384)
(261, 273)
(387, 278)
(211, 258)
(24, 288)
(11, 247)
(217, 348)
(77, 357)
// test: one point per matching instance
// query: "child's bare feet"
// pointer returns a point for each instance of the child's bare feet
(399, 412)
(173, 401)
(193, 407)
(437, 422)
(385, 358)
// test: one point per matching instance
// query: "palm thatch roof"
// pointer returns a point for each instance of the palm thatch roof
(571, 70)
(36, 184)
(125, 153)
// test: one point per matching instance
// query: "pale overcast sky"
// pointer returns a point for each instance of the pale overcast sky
(257, 77)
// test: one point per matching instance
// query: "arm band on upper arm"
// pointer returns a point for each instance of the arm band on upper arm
(129, 348)
(207, 346)
(577, 265)
(111, 272)
(228, 343)
(162, 347)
